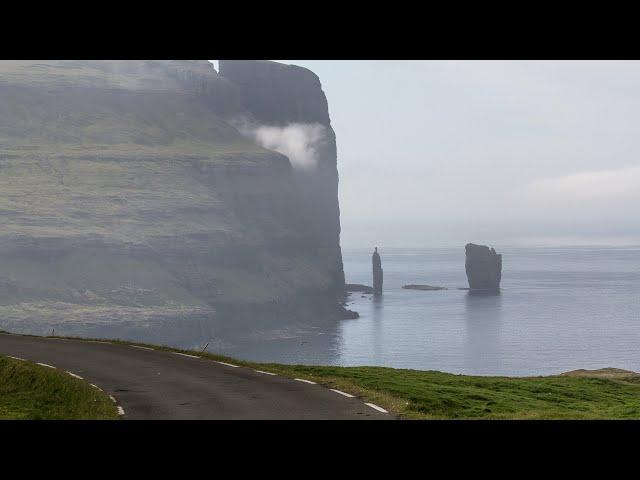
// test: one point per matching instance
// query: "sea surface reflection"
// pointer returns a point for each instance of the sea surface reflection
(558, 310)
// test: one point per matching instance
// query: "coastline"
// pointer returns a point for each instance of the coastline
(606, 393)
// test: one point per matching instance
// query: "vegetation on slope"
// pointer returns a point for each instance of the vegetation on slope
(118, 125)
(32, 392)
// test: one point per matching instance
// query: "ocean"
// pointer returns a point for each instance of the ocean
(559, 309)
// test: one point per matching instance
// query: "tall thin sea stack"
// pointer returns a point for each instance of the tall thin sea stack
(483, 266)
(377, 272)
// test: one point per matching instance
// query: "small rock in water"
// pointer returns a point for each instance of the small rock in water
(423, 287)
(350, 315)
(357, 287)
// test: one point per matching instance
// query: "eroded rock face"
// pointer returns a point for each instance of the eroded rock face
(377, 272)
(483, 266)
(276, 93)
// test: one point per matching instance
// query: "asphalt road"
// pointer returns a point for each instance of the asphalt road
(150, 384)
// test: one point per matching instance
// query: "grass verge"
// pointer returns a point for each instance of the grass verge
(32, 392)
(419, 394)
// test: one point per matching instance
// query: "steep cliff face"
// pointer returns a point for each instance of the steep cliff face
(132, 207)
(278, 94)
(274, 94)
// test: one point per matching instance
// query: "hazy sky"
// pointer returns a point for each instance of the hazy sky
(509, 152)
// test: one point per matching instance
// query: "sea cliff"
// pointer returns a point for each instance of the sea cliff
(135, 207)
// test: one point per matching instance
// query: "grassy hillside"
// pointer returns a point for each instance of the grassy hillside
(114, 124)
(32, 392)
(123, 151)
(122, 74)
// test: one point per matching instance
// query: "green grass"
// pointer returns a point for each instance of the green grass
(32, 392)
(435, 395)
(417, 394)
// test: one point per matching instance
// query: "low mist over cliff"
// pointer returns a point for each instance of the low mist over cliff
(134, 205)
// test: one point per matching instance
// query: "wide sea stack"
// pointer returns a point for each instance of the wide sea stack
(133, 207)
(483, 267)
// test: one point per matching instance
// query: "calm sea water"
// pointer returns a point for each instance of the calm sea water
(559, 309)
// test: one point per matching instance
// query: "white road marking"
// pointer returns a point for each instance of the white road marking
(305, 381)
(120, 410)
(345, 394)
(74, 375)
(95, 386)
(376, 407)
(18, 358)
(185, 354)
(113, 399)
(98, 341)
(227, 364)
(45, 365)
(140, 346)
(266, 373)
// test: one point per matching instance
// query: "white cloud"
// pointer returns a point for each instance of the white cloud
(617, 183)
(298, 141)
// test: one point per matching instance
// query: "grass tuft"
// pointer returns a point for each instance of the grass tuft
(31, 392)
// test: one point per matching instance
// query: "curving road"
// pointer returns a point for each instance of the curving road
(150, 384)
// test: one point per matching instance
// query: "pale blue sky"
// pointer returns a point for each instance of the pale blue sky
(442, 153)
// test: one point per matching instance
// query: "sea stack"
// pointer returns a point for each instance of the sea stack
(377, 272)
(483, 266)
